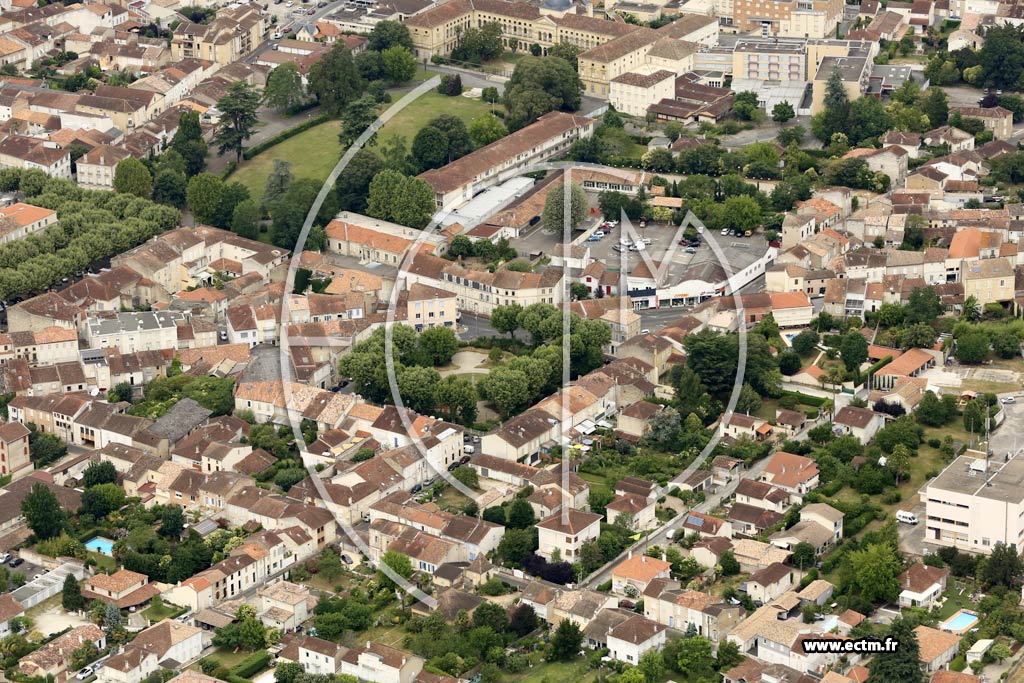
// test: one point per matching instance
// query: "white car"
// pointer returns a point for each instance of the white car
(84, 673)
(726, 231)
(647, 240)
(625, 242)
(700, 229)
(645, 331)
(278, 35)
(1008, 399)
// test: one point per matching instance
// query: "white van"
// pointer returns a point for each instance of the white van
(906, 517)
(468, 450)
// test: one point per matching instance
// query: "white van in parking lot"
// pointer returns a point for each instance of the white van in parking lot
(906, 517)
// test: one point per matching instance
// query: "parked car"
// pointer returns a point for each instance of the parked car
(647, 240)
(618, 247)
(645, 331)
(416, 489)
(1008, 399)
(625, 242)
(5, 558)
(463, 460)
(278, 35)
(346, 559)
(690, 250)
(595, 238)
(454, 466)
(16, 562)
(84, 673)
(726, 231)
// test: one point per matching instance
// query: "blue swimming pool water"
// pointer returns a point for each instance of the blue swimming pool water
(104, 546)
(961, 621)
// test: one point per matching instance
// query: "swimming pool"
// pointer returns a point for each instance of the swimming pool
(961, 622)
(103, 546)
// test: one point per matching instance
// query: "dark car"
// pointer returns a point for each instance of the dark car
(627, 604)
(16, 562)
(335, 389)
(463, 460)
(346, 559)
(454, 466)
(417, 488)
(344, 383)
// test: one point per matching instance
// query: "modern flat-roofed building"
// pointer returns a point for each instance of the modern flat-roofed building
(975, 503)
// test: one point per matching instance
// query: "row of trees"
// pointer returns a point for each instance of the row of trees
(93, 225)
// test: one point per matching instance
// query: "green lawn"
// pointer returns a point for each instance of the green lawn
(955, 602)
(103, 562)
(312, 153)
(228, 658)
(556, 672)
(411, 119)
(165, 611)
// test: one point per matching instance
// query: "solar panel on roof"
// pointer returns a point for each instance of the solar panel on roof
(695, 521)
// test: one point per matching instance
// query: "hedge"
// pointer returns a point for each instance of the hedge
(284, 135)
(806, 399)
(878, 366)
(252, 664)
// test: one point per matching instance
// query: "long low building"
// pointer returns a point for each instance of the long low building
(456, 183)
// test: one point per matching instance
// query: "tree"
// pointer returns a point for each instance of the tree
(71, 596)
(399, 564)
(553, 217)
(400, 199)
(468, 477)
(101, 472)
(284, 92)
(935, 105)
(729, 564)
(288, 672)
(782, 112)
(853, 350)
(835, 118)
(491, 615)
(507, 389)
(523, 620)
(901, 664)
(565, 642)
(43, 512)
(652, 664)
(204, 195)
(430, 148)
(485, 129)
(398, 64)
(438, 344)
(899, 461)
(539, 85)
(335, 80)
(972, 347)
(172, 521)
(386, 34)
(353, 184)
(520, 514)
(111, 617)
(170, 187)
(695, 659)
(1000, 651)
(506, 318)
(99, 501)
(805, 342)
(454, 128)
(874, 569)
(238, 118)
(923, 306)
(245, 219)
(1004, 567)
(803, 555)
(132, 177)
(458, 396)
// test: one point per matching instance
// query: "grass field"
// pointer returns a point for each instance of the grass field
(409, 121)
(312, 153)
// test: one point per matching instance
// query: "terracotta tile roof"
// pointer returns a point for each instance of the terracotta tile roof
(641, 568)
(934, 642)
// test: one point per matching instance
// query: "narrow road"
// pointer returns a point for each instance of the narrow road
(660, 535)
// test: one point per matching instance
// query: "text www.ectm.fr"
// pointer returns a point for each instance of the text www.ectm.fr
(856, 646)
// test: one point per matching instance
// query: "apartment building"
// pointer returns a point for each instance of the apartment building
(131, 332)
(975, 503)
(793, 19)
(14, 459)
(435, 31)
(21, 220)
(551, 135)
(631, 52)
(236, 32)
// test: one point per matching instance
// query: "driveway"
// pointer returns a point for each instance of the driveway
(54, 619)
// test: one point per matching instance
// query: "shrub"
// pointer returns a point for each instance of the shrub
(284, 135)
(251, 665)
